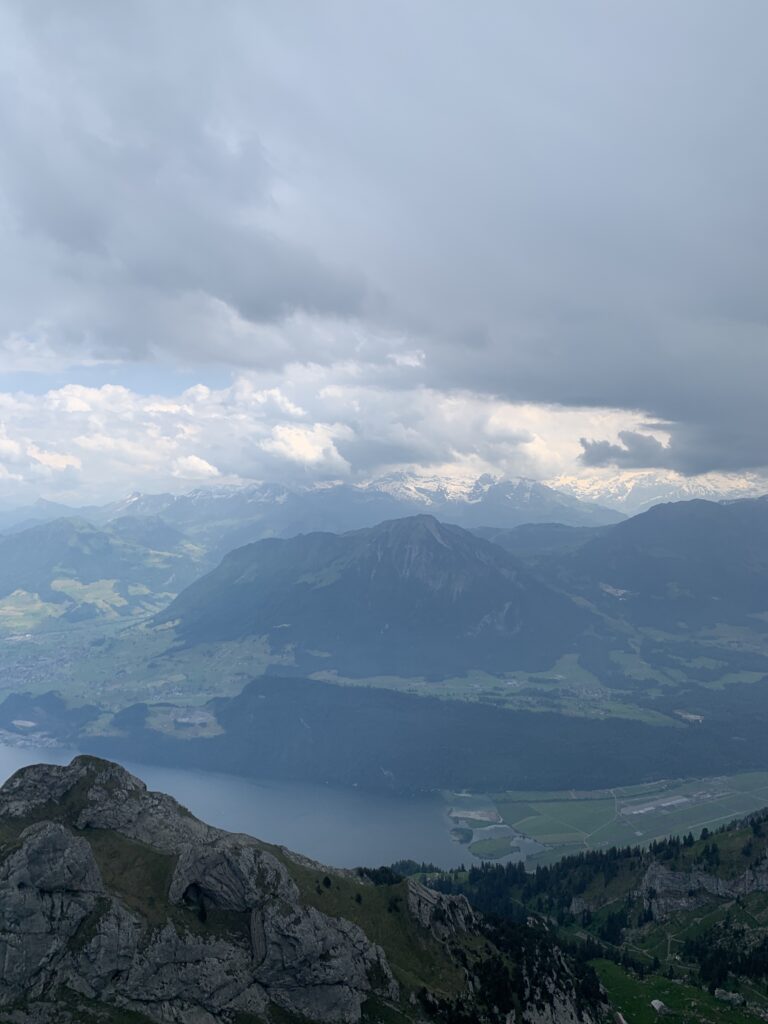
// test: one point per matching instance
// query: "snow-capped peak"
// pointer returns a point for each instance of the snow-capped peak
(635, 491)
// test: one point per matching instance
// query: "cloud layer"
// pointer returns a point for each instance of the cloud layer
(78, 443)
(427, 208)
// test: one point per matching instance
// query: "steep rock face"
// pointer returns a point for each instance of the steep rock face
(48, 886)
(231, 873)
(442, 915)
(116, 900)
(61, 926)
(667, 892)
(547, 1003)
(324, 962)
(91, 793)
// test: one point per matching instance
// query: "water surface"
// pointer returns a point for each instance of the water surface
(343, 827)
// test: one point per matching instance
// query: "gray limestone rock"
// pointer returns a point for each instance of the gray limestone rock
(667, 891)
(442, 915)
(207, 925)
(61, 927)
(48, 887)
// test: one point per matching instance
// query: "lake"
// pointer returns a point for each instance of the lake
(342, 827)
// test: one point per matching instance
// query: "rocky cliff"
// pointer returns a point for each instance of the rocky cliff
(118, 905)
(668, 892)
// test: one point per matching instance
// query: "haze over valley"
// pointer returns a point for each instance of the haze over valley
(357, 657)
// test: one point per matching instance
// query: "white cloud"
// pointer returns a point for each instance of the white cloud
(192, 467)
(7, 475)
(84, 444)
(53, 460)
(313, 446)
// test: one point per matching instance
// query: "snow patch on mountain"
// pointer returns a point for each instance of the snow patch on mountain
(636, 491)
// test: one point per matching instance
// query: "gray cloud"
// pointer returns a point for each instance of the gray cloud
(636, 451)
(135, 194)
(553, 203)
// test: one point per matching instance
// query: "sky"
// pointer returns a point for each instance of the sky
(306, 241)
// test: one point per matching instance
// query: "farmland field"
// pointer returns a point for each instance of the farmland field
(568, 821)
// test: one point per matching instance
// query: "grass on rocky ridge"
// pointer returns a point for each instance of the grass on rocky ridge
(381, 911)
(686, 1004)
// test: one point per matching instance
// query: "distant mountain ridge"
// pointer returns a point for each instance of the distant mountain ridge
(637, 491)
(68, 570)
(222, 518)
(681, 564)
(498, 500)
(231, 515)
(417, 597)
(640, 649)
(146, 548)
(410, 596)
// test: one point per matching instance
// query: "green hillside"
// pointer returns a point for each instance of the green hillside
(407, 597)
(684, 921)
(67, 571)
(577, 620)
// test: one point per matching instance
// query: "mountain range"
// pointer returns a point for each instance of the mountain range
(134, 556)
(414, 596)
(634, 491)
(680, 566)
(613, 639)
(222, 518)
(61, 564)
(410, 596)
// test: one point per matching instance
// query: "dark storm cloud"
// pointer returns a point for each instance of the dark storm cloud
(636, 451)
(693, 448)
(559, 203)
(133, 177)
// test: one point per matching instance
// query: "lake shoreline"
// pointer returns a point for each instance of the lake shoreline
(343, 826)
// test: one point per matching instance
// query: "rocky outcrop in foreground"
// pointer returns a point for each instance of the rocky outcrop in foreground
(116, 904)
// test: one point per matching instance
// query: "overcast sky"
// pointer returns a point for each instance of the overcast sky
(323, 240)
